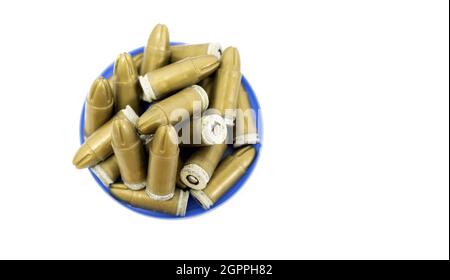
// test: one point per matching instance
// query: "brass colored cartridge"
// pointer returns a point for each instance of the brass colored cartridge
(224, 97)
(159, 83)
(201, 165)
(163, 163)
(129, 151)
(157, 52)
(180, 52)
(226, 175)
(107, 171)
(97, 147)
(245, 127)
(227, 85)
(99, 106)
(125, 83)
(174, 109)
(175, 206)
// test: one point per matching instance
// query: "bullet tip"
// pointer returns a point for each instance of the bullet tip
(231, 59)
(101, 94)
(124, 68)
(159, 38)
(84, 157)
(123, 133)
(165, 141)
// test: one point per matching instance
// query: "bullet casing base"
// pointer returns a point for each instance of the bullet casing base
(135, 187)
(214, 129)
(182, 203)
(159, 197)
(148, 94)
(197, 172)
(203, 96)
(101, 175)
(131, 115)
(202, 198)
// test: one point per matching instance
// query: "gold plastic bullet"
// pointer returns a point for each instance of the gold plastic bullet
(245, 127)
(175, 206)
(174, 109)
(129, 151)
(97, 147)
(226, 175)
(224, 97)
(125, 83)
(107, 171)
(159, 83)
(99, 106)
(157, 51)
(201, 165)
(180, 52)
(163, 163)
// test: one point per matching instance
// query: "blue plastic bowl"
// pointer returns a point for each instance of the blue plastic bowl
(193, 207)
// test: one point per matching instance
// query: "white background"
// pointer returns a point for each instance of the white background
(355, 99)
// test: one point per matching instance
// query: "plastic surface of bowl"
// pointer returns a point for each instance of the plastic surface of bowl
(193, 207)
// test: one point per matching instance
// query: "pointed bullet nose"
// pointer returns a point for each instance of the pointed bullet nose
(205, 64)
(121, 192)
(165, 141)
(231, 59)
(245, 156)
(84, 157)
(101, 94)
(149, 122)
(159, 38)
(124, 68)
(123, 133)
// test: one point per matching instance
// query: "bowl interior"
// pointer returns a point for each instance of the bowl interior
(193, 207)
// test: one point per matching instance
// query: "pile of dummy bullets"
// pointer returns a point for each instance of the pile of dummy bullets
(193, 89)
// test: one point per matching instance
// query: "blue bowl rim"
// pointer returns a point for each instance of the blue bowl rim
(194, 208)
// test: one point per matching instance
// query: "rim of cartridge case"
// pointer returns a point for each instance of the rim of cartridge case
(131, 115)
(159, 197)
(202, 198)
(182, 203)
(203, 96)
(215, 49)
(148, 94)
(208, 123)
(196, 171)
(101, 174)
(134, 187)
